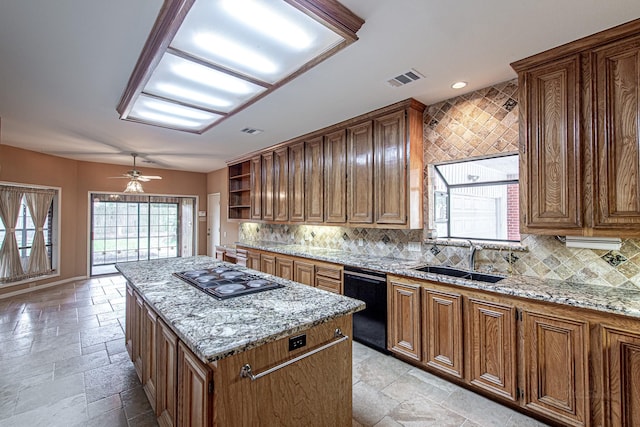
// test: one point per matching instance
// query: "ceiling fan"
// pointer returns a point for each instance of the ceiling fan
(135, 178)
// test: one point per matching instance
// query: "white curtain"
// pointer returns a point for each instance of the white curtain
(39, 204)
(10, 203)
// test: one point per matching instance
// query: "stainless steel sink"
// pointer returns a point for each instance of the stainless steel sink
(464, 274)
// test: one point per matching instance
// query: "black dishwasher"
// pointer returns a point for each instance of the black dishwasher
(370, 324)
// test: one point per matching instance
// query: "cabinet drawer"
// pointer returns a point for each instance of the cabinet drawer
(329, 272)
(330, 285)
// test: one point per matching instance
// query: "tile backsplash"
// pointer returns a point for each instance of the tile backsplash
(479, 123)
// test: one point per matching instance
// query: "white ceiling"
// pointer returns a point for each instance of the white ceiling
(65, 63)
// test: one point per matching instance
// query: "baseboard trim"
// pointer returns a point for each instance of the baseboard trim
(43, 286)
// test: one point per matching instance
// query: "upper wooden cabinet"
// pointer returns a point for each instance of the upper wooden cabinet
(550, 166)
(366, 171)
(335, 177)
(267, 186)
(360, 173)
(390, 163)
(256, 187)
(281, 184)
(314, 180)
(617, 149)
(296, 182)
(580, 136)
(240, 190)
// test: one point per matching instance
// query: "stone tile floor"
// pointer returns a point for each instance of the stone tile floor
(63, 363)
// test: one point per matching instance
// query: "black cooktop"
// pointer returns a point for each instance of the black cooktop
(225, 282)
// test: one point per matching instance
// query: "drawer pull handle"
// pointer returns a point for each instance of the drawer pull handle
(247, 372)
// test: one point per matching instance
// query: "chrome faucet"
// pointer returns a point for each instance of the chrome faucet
(472, 254)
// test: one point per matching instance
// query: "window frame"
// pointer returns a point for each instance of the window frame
(449, 187)
(54, 233)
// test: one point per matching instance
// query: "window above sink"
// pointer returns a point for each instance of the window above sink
(477, 199)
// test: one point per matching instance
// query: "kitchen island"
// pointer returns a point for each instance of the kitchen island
(278, 357)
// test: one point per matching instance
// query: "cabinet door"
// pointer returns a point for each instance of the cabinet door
(314, 180)
(296, 182)
(281, 184)
(256, 187)
(442, 336)
(284, 268)
(390, 169)
(304, 272)
(138, 334)
(556, 367)
(622, 377)
(335, 175)
(149, 355)
(167, 378)
(195, 390)
(492, 347)
(550, 173)
(360, 175)
(330, 285)
(130, 303)
(617, 147)
(267, 187)
(404, 319)
(253, 260)
(268, 264)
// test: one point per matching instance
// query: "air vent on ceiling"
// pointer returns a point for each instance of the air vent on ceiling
(252, 131)
(405, 78)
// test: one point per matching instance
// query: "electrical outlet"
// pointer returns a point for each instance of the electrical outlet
(297, 342)
(360, 241)
(414, 247)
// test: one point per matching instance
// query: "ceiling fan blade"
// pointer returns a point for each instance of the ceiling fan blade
(149, 177)
(119, 177)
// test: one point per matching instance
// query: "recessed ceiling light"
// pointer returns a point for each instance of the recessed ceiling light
(459, 85)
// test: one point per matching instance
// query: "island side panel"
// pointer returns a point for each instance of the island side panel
(315, 391)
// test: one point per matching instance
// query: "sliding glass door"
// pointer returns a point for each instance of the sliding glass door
(133, 228)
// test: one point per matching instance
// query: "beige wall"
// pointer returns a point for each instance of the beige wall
(218, 182)
(77, 179)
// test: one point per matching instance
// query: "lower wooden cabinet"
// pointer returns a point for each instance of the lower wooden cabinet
(167, 375)
(268, 264)
(404, 331)
(556, 367)
(329, 278)
(149, 354)
(284, 268)
(491, 331)
(304, 272)
(137, 334)
(442, 326)
(195, 390)
(622, 376)
(253, 260)
(130, 302)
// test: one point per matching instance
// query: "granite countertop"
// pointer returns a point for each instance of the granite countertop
(620, 301)
(215, 329)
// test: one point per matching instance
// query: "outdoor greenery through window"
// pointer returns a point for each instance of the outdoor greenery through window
(477, 199)
(27, 229)
(132, 228)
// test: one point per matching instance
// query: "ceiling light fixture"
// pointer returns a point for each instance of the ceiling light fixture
(459, 85)
(134, 186)
(185, 64)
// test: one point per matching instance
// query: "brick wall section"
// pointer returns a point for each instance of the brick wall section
(513, 213)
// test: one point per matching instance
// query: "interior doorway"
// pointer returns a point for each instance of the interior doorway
(213, 225)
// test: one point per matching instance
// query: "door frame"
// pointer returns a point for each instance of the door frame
(213, 219)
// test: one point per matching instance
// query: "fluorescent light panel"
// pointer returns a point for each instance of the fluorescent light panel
(233, 36)
(226, 53)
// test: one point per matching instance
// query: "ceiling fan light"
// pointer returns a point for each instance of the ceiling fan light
(134, 186)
